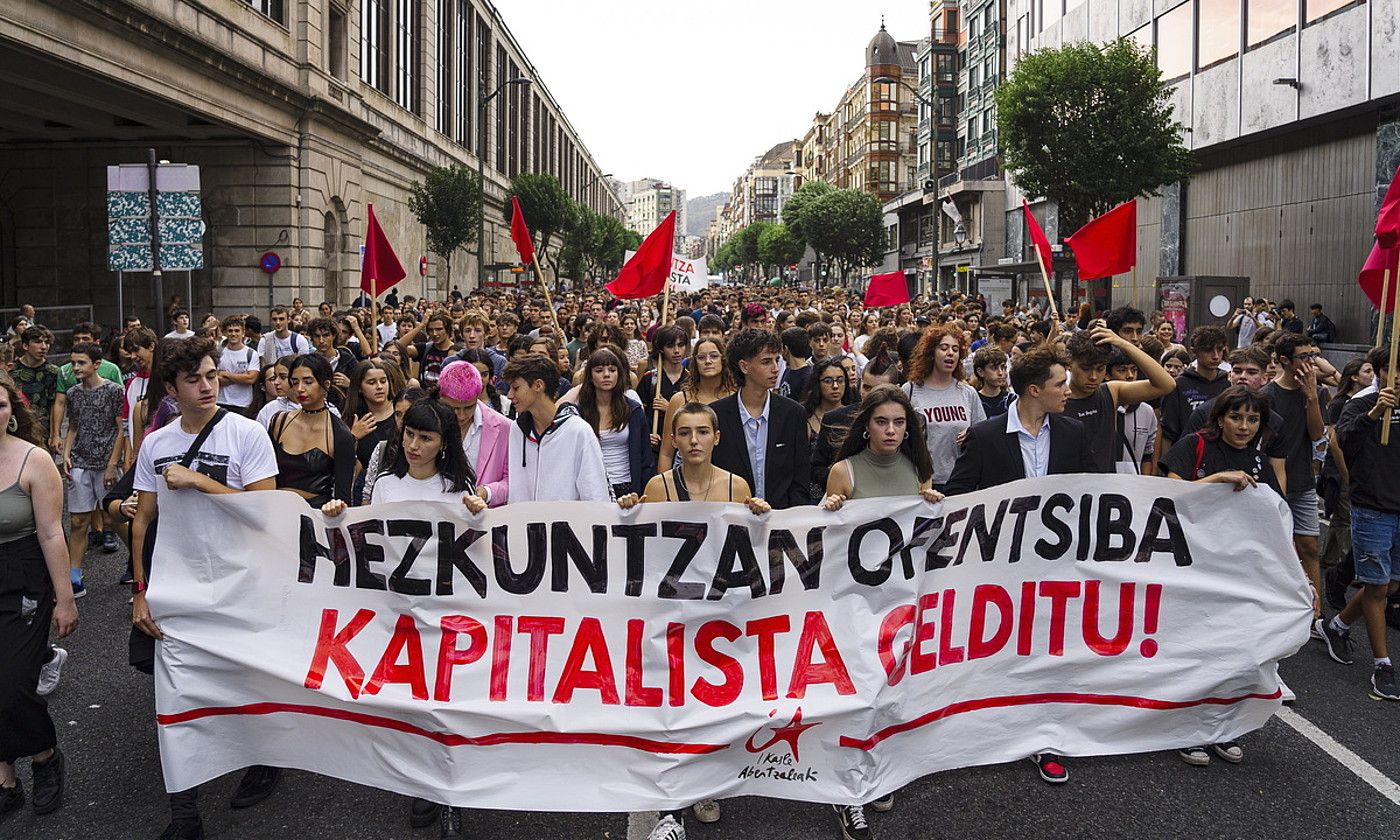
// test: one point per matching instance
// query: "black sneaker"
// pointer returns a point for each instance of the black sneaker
(257, 784)
(422, 813)
(451, 824)
(184, 830)
(1382, 688)
(48, 781)
(109, 542)
(11, 798)
(852, 820)
(126, 579)
(1338, 641)
(1194, 756)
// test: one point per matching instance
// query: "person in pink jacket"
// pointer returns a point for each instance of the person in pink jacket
(485, 431)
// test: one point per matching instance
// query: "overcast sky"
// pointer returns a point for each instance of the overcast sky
(694, 91)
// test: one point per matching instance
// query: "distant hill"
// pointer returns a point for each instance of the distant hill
(700, 211)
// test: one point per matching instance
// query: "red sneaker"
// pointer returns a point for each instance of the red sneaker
(1051, 769)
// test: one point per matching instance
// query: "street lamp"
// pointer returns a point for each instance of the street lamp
(591, 181)
(481, 169)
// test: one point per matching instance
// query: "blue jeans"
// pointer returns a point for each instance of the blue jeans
(1375, 541)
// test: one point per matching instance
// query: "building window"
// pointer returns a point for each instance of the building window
(972, 78)
(1217, 31)
(462, 68)
(374, 44)
(1142, 36)
(443, 87)
(502, 115)
(1268, 19)
(274, 9)
(952, 20)
(483, 82)
(336, 34)
(1174, 42)
(406, 90)
(1315, 10)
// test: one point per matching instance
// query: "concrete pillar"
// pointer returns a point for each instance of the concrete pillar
(1172, 261)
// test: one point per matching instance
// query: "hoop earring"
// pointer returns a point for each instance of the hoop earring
(906, 436)
(865, 434)
(13, 425)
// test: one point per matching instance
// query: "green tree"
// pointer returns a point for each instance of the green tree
(746, 247)
(847, 227)
(579, 243)
(1090, 126)
(548, 209)
(448, 205)
(799, 201)
(778, 246)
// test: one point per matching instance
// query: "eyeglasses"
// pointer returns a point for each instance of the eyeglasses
(1308, 356)
(832, 380)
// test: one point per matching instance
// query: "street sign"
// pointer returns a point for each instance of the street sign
(179, 217)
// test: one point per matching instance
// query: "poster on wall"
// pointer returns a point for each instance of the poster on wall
(1173, 298)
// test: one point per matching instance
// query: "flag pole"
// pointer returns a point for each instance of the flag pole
(548, 301)
(1394, 346)
(666, 302)
(1380, 320)
(374, 310)
(1049, 294)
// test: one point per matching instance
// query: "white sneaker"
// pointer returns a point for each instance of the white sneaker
(667, 829)
(50, 672)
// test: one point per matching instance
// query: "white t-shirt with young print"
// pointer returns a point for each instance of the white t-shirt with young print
(237, 453)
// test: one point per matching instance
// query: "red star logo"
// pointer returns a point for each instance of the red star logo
(789, 733)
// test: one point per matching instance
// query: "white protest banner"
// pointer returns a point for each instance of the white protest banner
(687, 275)
(569, 656)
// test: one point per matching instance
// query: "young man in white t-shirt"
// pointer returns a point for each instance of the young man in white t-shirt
(236, 457)
(280, 340)
(180, 320)
(238, 367)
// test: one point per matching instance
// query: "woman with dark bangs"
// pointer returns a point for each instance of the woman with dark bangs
(618, 420)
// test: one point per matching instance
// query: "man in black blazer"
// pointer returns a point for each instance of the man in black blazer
(1032, 439)
(779, 470)
(1011, 446)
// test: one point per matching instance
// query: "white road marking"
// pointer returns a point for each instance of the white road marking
(1364, 770)
(640, 824)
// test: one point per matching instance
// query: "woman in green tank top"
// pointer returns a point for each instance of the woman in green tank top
(883, 454)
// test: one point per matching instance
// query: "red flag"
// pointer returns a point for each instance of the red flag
(886, 290)
(646, 273)
(1042, 245)
(520, 233)
(1107, 245)
(380, 269)
(1373, 274)
(1388, 220)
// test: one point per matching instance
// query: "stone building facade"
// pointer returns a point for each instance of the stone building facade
(299, 115)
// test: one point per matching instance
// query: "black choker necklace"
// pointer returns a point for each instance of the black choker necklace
(314, 410)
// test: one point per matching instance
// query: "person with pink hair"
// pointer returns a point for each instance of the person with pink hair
(485, 431)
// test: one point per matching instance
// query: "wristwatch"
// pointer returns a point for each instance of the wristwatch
(138, 586)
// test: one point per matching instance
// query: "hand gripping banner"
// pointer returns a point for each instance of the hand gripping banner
(574, 657)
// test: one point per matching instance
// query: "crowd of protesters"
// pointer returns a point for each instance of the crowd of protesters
(772, 400)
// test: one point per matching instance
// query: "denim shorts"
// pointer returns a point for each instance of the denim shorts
(1304, 507)
(1375, 541)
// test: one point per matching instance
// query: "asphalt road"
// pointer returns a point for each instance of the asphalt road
(1289, 786)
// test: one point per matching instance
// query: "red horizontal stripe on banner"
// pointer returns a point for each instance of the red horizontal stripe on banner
(1049, 697)
(450, 739)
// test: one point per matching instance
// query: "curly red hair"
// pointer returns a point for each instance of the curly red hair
(921, 360)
